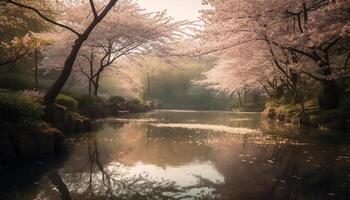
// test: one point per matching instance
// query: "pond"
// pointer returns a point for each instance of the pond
(174, 154)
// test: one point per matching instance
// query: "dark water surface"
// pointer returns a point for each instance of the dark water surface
(189, 155)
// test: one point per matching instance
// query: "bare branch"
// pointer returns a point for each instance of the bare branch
(312, 76)
(93, 8)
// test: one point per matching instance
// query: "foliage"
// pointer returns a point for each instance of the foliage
(19, 112)
(85, 102)
(135, 105)
(67, 101)
(116, 99)
(19, 25)
(118, 35)
(173, 84)
(275, 44)
(15, 82)
(34, 94)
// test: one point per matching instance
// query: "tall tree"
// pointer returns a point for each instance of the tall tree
(98, 11)
(127, 30)
(304, 31)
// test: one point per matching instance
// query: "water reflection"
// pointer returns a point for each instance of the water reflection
(198, 155)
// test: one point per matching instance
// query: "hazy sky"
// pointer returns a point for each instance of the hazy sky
(179, 9)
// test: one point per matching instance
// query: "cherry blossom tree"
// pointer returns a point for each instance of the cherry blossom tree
(16, 38)
(91, 14)
(296, 38)
(127, 30)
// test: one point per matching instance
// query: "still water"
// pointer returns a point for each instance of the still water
(172, 154)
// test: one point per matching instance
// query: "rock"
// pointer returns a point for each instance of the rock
(46, 141)
(50, 141)
(59, 142)
(27, 146)
(87, 124)
(79, 125)
(58, 139)
(7, 152)
(56, 114)
(67, 118)
(70, 126)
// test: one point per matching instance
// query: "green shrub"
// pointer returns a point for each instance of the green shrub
(134, 102)
(116, 99)
(85, 101)
(136, 105)
(19, 112)
(15, 82)
(67, 101)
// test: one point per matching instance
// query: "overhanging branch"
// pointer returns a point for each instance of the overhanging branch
(43, 16)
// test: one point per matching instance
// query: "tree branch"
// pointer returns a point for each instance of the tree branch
(312, 76)
(43, 16)
(331, 43)
(93, 8)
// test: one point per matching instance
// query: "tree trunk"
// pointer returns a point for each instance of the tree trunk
(149, 89)
(90, 77)
(36, 77)
(90, 88)
(329, 98)
(96, 85)
(68, 66)
(271, 96)
(240, 99)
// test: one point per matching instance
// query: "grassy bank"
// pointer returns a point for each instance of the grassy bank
(311, 115)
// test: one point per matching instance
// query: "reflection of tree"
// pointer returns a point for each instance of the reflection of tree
(278, 172)
(159, 146)
(57, 181)
(100, 181)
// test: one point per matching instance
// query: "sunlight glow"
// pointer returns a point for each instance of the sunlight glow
(180, 9)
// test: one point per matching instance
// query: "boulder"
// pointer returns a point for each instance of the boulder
(7, 151)
(27, 146)
(59, 141)
(79, 125)
(59, 112)
(46, 141)
(70, 125)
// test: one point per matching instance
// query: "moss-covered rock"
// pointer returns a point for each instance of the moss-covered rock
(46, 142)
(7, 151)
(69, 102)
(18, 112)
